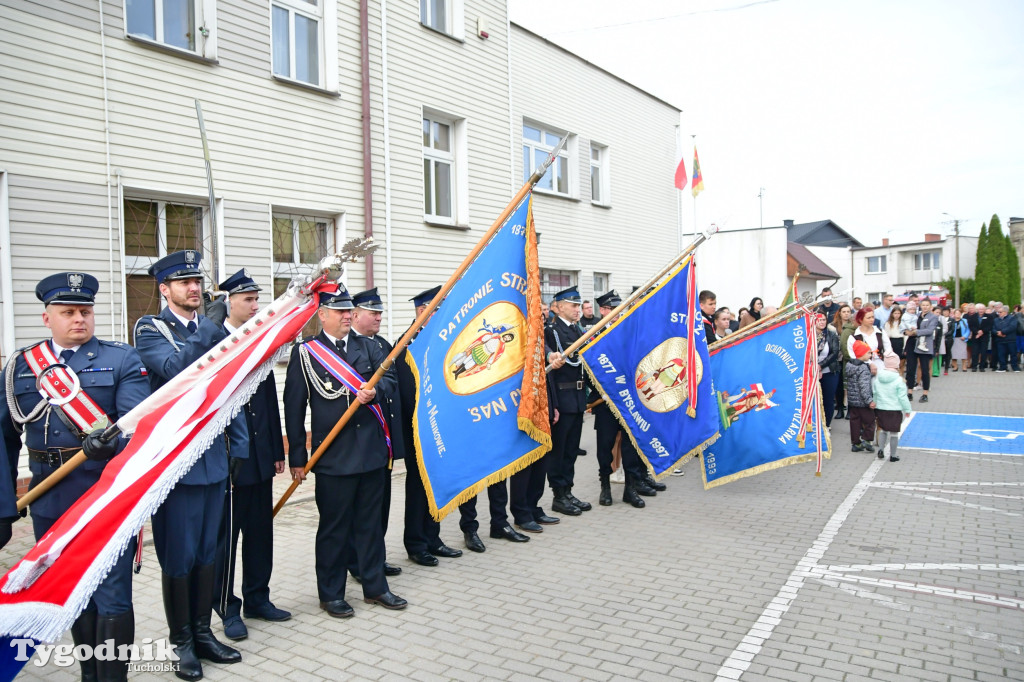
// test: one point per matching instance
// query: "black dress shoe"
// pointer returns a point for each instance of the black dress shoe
(446, 551)
(392, 571)
(338, 608)
(388, 601)
(530, 527)
(923, 399)
(563, 505)
(508, 533)
(424, 559)
(654, 483)
(894, 458)
(545, 520)
(473, 542)
(267, 612)
(580, 452)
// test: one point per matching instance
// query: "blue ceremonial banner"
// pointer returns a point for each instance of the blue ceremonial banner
(481, 405)
(646, 363)
(768, 419)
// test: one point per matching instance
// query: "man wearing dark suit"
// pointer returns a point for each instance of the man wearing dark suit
(979, 323)
(250, 506)
(186, 525)
(352, 473)
(422, 536)
(111, 374)
(567, 375)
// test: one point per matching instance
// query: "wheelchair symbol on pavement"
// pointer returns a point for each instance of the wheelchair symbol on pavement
(992, 435)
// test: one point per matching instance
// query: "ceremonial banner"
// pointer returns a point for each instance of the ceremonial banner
(791, 296)
(481, 403)
(43, 594)
(651, 367)
(768, 403)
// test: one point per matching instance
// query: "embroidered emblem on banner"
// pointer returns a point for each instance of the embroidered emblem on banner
(661, 376)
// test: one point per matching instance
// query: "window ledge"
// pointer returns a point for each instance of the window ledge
(305, 86)
(450, 226)
(601, 204)
(170, 49)
(556, 195)
(443, 33)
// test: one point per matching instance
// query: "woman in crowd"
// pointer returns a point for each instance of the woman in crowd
(960, 333)
(844, 326)
(753, 314)
(828, 361)
(891, 328)
(866, 332)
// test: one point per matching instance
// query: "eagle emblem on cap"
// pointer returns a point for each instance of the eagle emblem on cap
(190, 257)
(75, 280)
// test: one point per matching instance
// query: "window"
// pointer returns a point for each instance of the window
(599, 193)
(438, 164)
(300, 31)
(874, 296)
(927, 261)
(153, 229)
(537, 147)
(443, 15)
(176, 23)
(876, 264)
(553, 281)
(300, 241)
(601, 280)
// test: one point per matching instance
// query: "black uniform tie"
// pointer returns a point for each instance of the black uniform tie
(65, 355)
(191, 326)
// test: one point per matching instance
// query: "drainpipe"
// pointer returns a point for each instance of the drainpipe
(364, 58)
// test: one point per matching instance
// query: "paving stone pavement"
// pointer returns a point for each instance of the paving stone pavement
(874, 571)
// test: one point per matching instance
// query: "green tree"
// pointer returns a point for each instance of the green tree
(996, 249)
(1013, 293)
(966, 289)
(983, 276)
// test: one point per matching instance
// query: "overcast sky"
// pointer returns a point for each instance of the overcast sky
(878, 114)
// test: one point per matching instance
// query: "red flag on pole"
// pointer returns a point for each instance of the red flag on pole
(681, 176)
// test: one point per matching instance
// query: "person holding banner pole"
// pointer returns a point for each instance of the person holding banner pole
(572, 403)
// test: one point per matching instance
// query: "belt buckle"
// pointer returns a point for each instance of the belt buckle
(579, 385)
(53, 457)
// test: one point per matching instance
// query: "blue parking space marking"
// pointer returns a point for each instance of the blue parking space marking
(965, 433)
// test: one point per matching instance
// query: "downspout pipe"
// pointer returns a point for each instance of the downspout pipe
(364, 53)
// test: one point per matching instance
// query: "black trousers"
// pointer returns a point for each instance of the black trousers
(913, 357)
(607, 428)
(979, 353)
(565, 442)
(527, 487)
(252, 512)
(185, 527)
(422, 532)
(349, 509)
(497, 498)
(862, 424)
(385, 508)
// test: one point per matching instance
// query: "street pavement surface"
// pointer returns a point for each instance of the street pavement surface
(874, 571)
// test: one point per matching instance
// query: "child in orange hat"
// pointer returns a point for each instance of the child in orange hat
(860, 398)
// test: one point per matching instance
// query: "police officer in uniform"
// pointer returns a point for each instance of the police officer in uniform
(186, 525)
(608, 428)
(250, 505)
(353, 471)
(112, 377)
(366, 316)
(567, 376)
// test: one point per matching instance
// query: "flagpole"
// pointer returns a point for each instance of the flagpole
(640, 291)
(422, 318)
(782, 313)
(694, 138)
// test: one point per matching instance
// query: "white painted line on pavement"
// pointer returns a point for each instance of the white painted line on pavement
(966, 493)
(924, 588)
(858, 568)
(807, 567)
(959, 503)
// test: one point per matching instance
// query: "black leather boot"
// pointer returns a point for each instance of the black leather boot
(207, 646)
(654, 483)
(119, 629)
(605, 500)
(629, 494)
(179, 619)
(641, 488)
(580, 504)
(84, 632)
(562, 504)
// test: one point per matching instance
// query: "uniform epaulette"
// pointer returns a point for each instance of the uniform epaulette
(113, 344)
(307, 339)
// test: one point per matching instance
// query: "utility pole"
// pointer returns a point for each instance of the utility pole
(956, 258)
(760, 197)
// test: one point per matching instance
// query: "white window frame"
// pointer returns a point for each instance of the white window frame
(883, 265)
(139, 265)
(607, 277)
(454, 14)
(325, 13)
(569, 153)
(335, 225)
(603, 164)
(458, 132)
(548, 290)
(874, 296)
(205, 21)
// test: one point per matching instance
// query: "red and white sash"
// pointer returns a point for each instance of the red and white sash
(59, 385)
(349, 378)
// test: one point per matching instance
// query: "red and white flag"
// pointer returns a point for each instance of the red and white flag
(43, 594)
